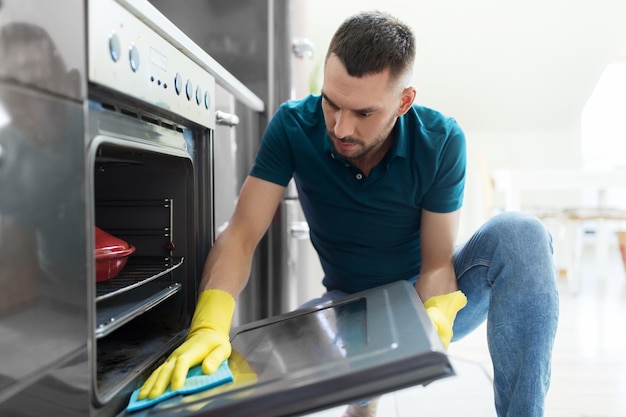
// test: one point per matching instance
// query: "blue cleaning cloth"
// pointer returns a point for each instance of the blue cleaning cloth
(196, 381)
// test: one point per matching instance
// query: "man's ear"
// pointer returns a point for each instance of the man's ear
(406, 100)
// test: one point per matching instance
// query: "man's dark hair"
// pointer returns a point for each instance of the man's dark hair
(370, 42)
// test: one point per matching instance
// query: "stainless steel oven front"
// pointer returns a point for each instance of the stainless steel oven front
(151, 118)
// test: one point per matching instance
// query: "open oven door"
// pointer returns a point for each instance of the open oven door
(363, 345)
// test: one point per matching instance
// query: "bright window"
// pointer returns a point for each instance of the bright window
(603, 122)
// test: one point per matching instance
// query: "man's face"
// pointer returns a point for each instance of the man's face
(360, 113)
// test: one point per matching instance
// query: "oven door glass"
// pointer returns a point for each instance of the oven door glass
(364, 345)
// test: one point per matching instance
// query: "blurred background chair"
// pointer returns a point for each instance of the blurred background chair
(604, 225)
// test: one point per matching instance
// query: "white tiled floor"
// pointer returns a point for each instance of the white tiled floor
(589, 360)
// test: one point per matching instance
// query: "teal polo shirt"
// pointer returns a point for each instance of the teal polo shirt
(366, 230)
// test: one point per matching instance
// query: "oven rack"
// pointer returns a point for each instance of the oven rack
(134, 291)
(137, 272)
(132, 304)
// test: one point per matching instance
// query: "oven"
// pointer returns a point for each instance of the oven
(150, 123)
(159, 116)
(114, 123)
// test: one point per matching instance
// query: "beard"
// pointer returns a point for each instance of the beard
(363, 149)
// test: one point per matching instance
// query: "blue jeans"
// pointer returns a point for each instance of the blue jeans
(506, 271)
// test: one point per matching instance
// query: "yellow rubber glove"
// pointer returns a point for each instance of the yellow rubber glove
(442, 311)
(208, 343)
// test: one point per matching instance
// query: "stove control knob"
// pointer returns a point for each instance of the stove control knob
(198, 95)
(133, 56)
(114, 47)
(178, 83)
(189, 89)
(207, 100)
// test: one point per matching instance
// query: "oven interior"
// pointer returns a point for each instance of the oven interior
(143, 193)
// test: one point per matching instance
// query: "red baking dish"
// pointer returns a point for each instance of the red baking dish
(111, 255)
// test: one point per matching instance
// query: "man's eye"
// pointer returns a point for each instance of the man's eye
(329, 104)
(364, 115)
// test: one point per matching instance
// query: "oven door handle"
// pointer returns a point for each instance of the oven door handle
(226, 119)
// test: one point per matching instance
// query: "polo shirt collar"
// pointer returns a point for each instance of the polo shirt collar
(401, 143)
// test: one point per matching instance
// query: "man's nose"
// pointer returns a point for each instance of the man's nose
(344, 124)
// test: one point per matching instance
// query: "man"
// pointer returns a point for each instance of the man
(381, 184)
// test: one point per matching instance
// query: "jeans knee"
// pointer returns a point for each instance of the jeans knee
(521, 230)
(518, 223)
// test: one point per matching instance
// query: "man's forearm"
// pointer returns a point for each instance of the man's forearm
(227, 267)
(436, 281)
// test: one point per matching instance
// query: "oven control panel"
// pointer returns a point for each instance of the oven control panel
(128, 56)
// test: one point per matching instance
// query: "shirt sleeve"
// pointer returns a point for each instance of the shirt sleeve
(274, 161)
(447, 190)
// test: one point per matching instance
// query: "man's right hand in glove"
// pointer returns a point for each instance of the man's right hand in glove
(207, 343)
